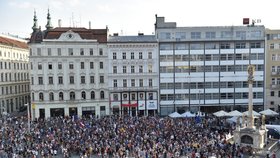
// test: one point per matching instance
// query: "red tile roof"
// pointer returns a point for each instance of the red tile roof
(13, 43)
(99, 34)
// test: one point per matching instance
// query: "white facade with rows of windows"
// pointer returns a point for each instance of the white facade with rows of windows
(133, 75)
(205, 68)
(14, 71)
(68, 77)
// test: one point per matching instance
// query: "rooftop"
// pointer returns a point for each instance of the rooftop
(136, 39)
(13, 42)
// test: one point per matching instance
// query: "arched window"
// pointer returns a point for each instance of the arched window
(102, 95)
(41, 96)
(72, 95)
(83, 94)
(60, 95)
(92, 95)
(51, 96)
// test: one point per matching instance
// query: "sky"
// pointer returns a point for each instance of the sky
(129, 17)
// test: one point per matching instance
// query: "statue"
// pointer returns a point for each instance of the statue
(251, 70)
(243, 120)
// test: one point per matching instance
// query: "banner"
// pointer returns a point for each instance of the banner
(141, 105)
(151, 104)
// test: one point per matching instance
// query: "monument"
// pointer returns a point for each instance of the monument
(248, 134)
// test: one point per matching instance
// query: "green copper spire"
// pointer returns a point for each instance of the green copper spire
(35, 24)
(49, 24)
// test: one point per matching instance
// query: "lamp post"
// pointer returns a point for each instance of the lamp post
(28, 116)
(199, 101)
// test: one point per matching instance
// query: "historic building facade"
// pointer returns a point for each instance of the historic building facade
(68, 71)
(205, 68)
(133, 74)
(272, 69)
(14, 70)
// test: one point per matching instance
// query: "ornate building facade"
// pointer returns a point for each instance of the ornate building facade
(68, 71)
(14, 70)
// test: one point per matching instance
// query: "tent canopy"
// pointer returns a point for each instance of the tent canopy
(235, 113)
(269, 112)
(175, 115)
(254, 113)
(220, 113)
(188, 114)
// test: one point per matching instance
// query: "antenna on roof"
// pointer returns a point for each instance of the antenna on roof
(73, 22)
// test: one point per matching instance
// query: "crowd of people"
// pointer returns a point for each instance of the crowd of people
(115, 136)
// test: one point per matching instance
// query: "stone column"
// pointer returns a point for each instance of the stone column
(251, 70)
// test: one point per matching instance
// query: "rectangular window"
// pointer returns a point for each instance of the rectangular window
(124, 83)
(50, 66)
(39, 66)
(132, 82)
(59, 51)
(38, 51)
(71, 79)
(124, 55)
(100, 51)
(91, 79)
(241, 34)
(273, 57)
(240, 45)
(115, 83)
(150, 55)
(115, 70)
(124, 69)
(114, 55)
(140, 55)
(210, 35)
(101, 65)
(71, 65)
(225, 46)
(165, 35)
(60, 80)
(49, 52)
(272, 93)
(150, 82)
(40, 80)
(59, 65)
(140, 69)
(150, 68)
(91, 51)
(101, 79)
(82, 65)
(226, 34)
(255, 45)
(50, 80)
(70, 52)
(83, 79)
(91, 65)
(82, 52)
(195, 35)
(132, 55)
(180, 35)
(141, 84)
(132, 69)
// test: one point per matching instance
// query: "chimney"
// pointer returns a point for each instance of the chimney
(115, 34)
(59, 22)
(89, 25)
(140, 34)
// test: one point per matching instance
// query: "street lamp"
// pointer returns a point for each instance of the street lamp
(28, 115)
(199, 101)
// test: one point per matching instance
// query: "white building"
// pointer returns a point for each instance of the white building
(68, 71)
(133, 74)
(206, 67)
(14, 70)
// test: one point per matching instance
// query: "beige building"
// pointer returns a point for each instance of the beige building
(272, 69)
